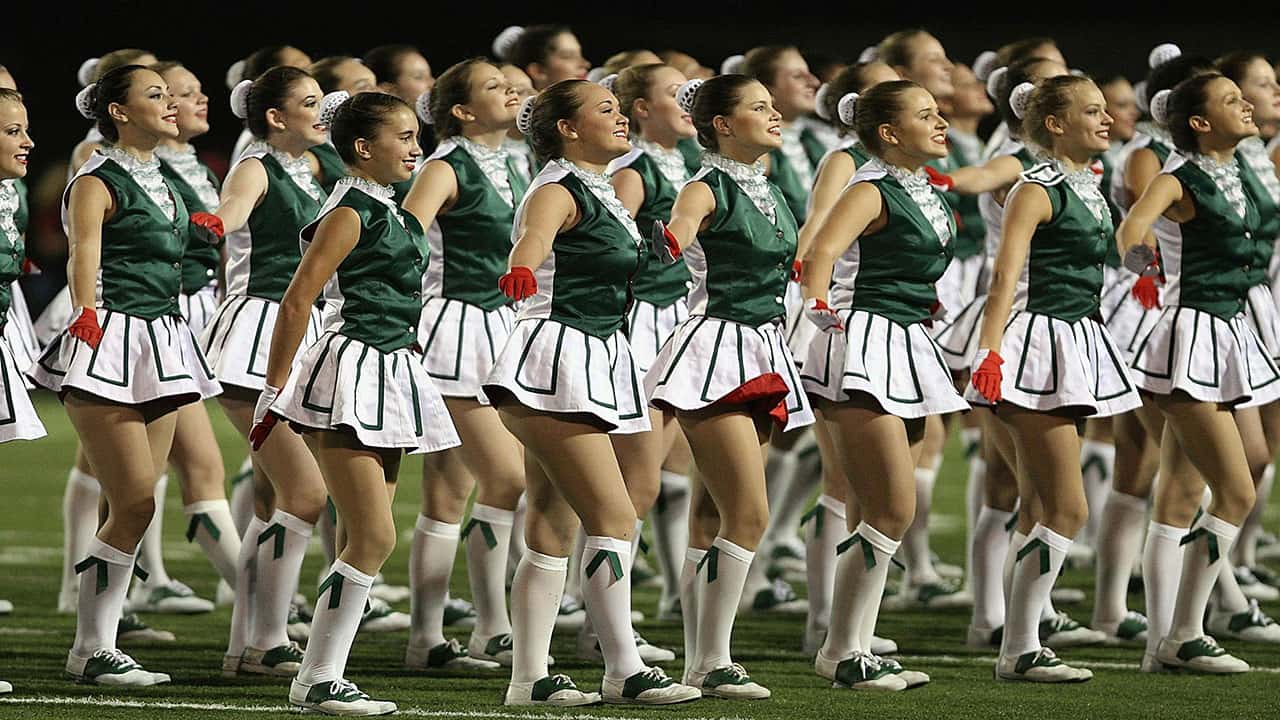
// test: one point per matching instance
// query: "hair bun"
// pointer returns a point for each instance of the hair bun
(422, 106)
(235, 74)
(984, 64)
(994, 80)
(240, 99)
(607, 81)
(87, 70)
(1020, 98)
(84, 101)
(329, 105)
(686, 94)
(1160, 107)
(1162, 54)
(820, 102)
(524, 116)
(848, 108)
(506, 41)
(870, 53)
(596, 74)
(733, 65)
(1140, 96)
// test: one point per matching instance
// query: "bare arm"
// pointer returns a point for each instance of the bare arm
(629, 188)
(244, 189)
(1162, 195)
(689, 214)
(834, 174)
(858, 209)
(1140, 168)
(999, 172)
(89, 205)
(1027, 207)
(335, 236)
(548, 211)
(81, 154)
(434, 190)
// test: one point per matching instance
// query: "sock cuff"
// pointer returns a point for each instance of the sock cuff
(163, 480)
(970, 434)
(292, 523)
(1050, 538)
(79, 477)
(604, 542)
(1128, 502)
(523, 502)
(926, 474)
(206, 506)
(878, 540)
(427, 526)
(1268, 474)
(549, 563)
(733, 550)
(492, 515)
(352, 574)
(113, 555)
(1097, 447)
(694, 555)
(1219, 527)
(1168, 532)
(674, 479)
(832, 504)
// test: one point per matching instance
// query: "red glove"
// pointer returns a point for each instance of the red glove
(939, 180)
(29, 267)
(86, 328)
(1147, 292)
(664, 243)
(797, 268)
(208, 227)
(987, 376)
(821, 315)
(263, 418)
(518, 283)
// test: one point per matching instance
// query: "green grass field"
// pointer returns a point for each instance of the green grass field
(34, 639)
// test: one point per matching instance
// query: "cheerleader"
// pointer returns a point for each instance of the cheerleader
(466, 195)
(726, 371)
(258, 62)
(357, 389)
(1045, 48)
(565, 382)
(269, 194)
(783, 71)
(1196, 385)
(1044, 290)
(127, 230)
(18, 329)
(896, 220)
(546, 53)
(90, 71)
(401, 71)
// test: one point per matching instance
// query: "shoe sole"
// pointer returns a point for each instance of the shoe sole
(141, 636)
(733, 696)
(82, 680)
(1023, 678)
(310, 708)
(264, 671)
(654, 703)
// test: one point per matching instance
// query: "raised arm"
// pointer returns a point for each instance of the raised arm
(995, 174)
(434, 190)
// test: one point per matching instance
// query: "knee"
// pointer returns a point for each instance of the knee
(550, 535)
(643, 498)
(372, 545)
(1066, 517)
(133, 514)
(746, 522)
(1233, 501)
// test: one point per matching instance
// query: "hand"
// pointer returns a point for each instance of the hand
(263, 418)
(939, 180)
(818, 313)
(797, 269)
(1142, 259)
(1147, 292)
(938, 311)
(86, 328)
(207, 227)
(518, 283)
(987, 376)
(664, 243)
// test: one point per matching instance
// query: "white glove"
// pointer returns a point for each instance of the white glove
(826, 319)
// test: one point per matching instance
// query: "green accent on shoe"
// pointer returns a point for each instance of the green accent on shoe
(1200, 647)
(89, 562)
(546, 687)
(444, 653)
(333, 584)
(650, 679)
(1131, 627)
(927, 592)
(490, 540)
(643, 545)
(106, 662)
(712, 561)
(817, 514)
(276, 531)
(199, 519)
(860, 668)
(1032, 545)
(728, 675)
(282, 654)
(777, 593)
(1210, 539)
(868, 552)
(339, 690)
(498, 644)
(602, 556)
(997, 636)
(1012, 523)
(453, 614)
(1253, 617)
(971, 449)
(1039, 658)
(130, 622)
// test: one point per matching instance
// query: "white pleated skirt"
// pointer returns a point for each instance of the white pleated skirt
(18, 419)
(649, 326)
(460, 344)
(198, 307)
(20, 333)
(237, 340)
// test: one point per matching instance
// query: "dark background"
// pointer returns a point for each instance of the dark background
(43, 45)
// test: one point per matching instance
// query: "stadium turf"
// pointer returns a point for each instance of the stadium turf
(34, 639)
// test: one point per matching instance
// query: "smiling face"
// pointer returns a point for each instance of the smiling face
(1226, 112)
(193, 105)
(598, 131)
(148, 108)
(919, 131)
(970, 99)
(390, 155)
(519, 81)
(658, 112)
(753, 122)
(1084, 128)
(793, 86)
(493, 102)
(299, 114)
(15, 140)
(1259, 87)
(564, 62)
(929, 66)
(1122, 106)
(413, 77)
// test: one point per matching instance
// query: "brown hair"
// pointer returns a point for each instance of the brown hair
(895, 49)
(117, 59)
(559, 101)
(1187, 99)
(1052, 96)
(620, 61)
(761, 62)
(453, 87)
(632, 84)
(879, 105)
(1234, 65)
(325, 71)
(716, 96)
(850, 80)
(1021, 49)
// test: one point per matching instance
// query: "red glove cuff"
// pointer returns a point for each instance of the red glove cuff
(209, 222)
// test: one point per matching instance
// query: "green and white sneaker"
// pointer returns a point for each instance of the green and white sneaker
(589, 649)
(459, 613)
(494, 649)
(913, 678)
(448, 655)
(571, 615)
(650, 686)
(1040, 666)
(862, 671)
(1253, 588)
(1060, 631)
(337, 697)
(939, 595)
(982, 638)
(6, 607)
(1266, 575)
(380, 618)
(280, 661)
(552, 690)
(778, 598)
(5, 688)
(1250, 625)
(883, 646)
(1131, 630)
(171, 598)
(1202, 655)
(298, 627)
(730, 682)
(388, 593)
(112, 668)
(131, 630)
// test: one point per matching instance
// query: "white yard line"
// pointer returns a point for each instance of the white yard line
(990, 660)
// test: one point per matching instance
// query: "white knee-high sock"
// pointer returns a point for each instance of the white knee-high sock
(862, 566)
(431, 557)
(209, 523)
(535, 601)
(573, 583)
(1016, 541)
(724, 572)
(1204, 554)
(150, 552)
(104, 581)
(784, 517)
(516, 547)
(987, 561)
(1036, 566)
(242, 496)
(79, 525)
(1097, 462)
(690, 591)
(826, 528)
(915, 543)
(488, 539)
(1227, 596)
(280, 551)
(1119, 541)
(1245, 551)
(670, 520)
(606, 590)
(974, 493)
(1161, 568)
(246, 588)
(635, 542)
(339, 608)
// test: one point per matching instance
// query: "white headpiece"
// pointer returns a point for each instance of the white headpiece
(848, 108)
(1020, 98)
(87, 70)
(869, 54)
(607, 81)
(506, 42)
(1140, 96)
(235, 73)
(423, 107)
(524, 117)
(733, 65)
(820, 102)
(240, 99)
(329, 105)
(993, 81)
(84, 101)
(596, 74)
(984, 65)
(687, 92)
(1162, 54)
(1160, 107)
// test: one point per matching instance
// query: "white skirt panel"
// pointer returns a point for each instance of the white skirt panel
(460, 344)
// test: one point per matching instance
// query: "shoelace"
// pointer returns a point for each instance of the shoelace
(868, 664)
(455, 647)
(563, 681)
(1063, 621)
(654, 673)
(1257, 617)
(345, 688)
(116, 657)
(1045, 654)
(737, 671)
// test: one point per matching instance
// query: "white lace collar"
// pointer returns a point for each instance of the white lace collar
(1254, 152)
(598, 185)
(793, 150)
(185, 162)
(1087, 186)
(8, 210)
(297, 168)
(670, 162)
(147, 174)
(1155, 131)
(750, 179)
(1226, 176)
(384, 194)
(493, 163)
(925, 197)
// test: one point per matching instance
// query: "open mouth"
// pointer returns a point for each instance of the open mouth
(939, 138)
(21, 158)
(620, 134)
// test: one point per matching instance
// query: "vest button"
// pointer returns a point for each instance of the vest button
(209, 272)
(1248, 236)
(177, 266)
(778, 299)
(780, 233)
